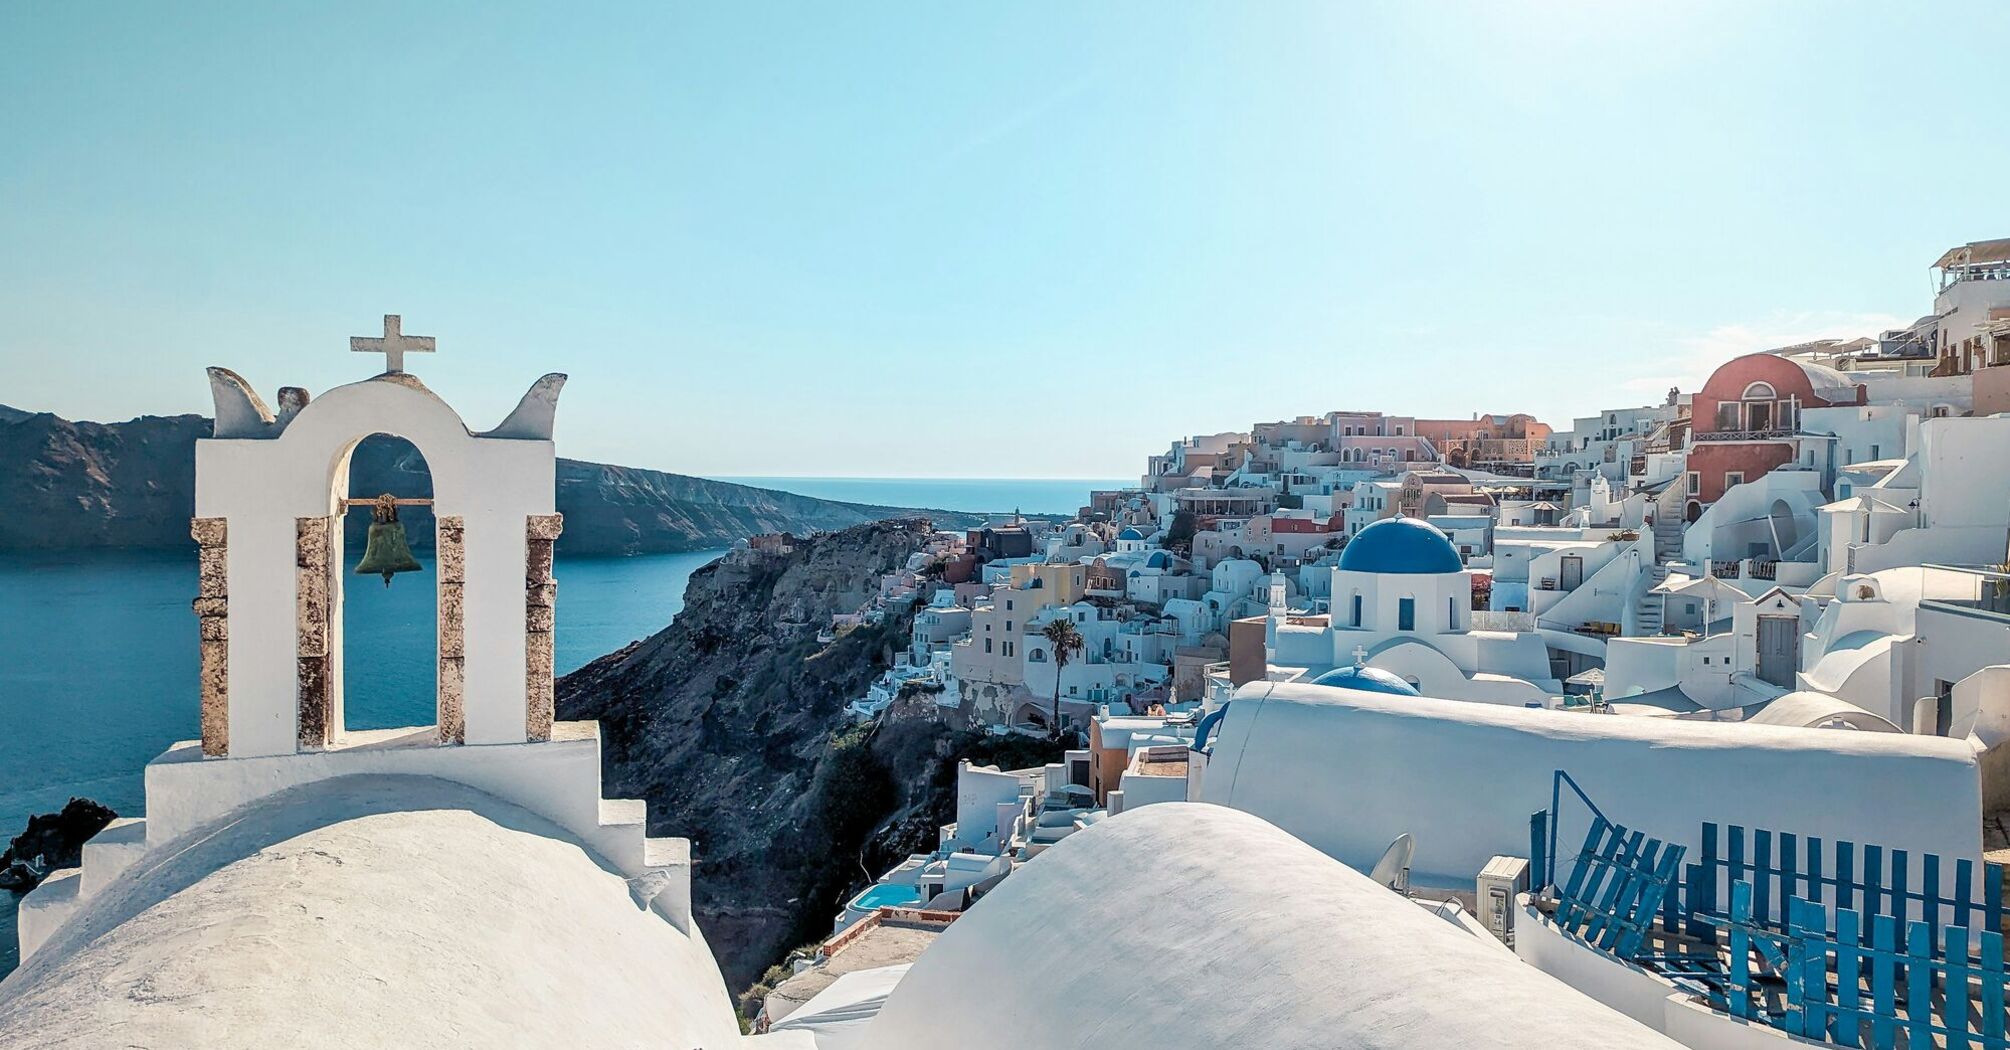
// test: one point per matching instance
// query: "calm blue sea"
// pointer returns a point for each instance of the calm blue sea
(98, 663)
(98, 650)
(976, 495)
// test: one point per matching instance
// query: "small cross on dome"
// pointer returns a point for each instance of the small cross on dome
(392, 344)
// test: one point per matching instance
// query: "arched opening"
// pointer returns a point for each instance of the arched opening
(1786, 532)
(385, 654)
(1692, 511)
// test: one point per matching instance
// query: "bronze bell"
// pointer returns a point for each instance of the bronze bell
(387, 552)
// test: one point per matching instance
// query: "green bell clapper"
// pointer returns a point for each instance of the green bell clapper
(386, 552)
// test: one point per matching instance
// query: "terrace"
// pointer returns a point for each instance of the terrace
(1835, 942)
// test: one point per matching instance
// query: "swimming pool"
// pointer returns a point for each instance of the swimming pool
(886, 895)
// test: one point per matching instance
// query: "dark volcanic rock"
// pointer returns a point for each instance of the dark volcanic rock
(79, 485)
(56, 840)
(730, 723)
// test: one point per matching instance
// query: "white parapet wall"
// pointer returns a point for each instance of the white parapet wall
(1645, 997)
(1348, 771)
(558, 779)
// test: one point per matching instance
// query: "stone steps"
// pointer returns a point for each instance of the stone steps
(111, 851)
(44, 910)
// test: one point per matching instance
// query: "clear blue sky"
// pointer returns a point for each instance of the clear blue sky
(974, 240)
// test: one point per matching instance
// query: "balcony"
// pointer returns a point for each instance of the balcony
(1770, 434)
(1991, 594)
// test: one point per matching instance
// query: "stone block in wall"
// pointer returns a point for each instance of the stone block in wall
(450, 549)
(544, 526)
(212, 572)
(542, 595)
(453, 715)
(538, 687)
(539, 619)
(209, 532)
(315, 707)
(311, 610)
(214, 628)
(207, 606)
(537, 562)
(310, 547)
(213, 680)
(452, 622)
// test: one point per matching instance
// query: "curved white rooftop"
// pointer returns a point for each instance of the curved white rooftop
(370, 911)
(1826, 381)
(1223, 932)
(1810, 709)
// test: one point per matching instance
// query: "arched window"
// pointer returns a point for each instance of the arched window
(1758, 392)
(1038, 656)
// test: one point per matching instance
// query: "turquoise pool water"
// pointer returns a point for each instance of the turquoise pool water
(886, 895)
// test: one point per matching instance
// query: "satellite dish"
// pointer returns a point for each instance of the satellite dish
(1393, 870)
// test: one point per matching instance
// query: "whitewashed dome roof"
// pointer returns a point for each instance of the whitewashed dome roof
(1223, 931)
(370, 911)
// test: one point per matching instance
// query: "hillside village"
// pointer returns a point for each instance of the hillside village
(1815, 538)
(1686, 726)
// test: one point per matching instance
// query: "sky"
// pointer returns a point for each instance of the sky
(981, 240)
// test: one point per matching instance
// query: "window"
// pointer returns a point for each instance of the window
(1873, 452)
(1733, 477)
(1008, 648)
(1695, 483)
(1008, 608)
(1357, 610)
(1758, 392)
(987, 645)
(1406, 614)
(1451, 613)
(1008, 627)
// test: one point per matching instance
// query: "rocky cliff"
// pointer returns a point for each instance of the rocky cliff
(79, 485)
(730, 723)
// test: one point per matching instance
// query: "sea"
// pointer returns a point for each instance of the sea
(98, 649)
(977, 495)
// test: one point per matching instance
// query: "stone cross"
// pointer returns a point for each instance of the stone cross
(1360, 656)
(392, 344)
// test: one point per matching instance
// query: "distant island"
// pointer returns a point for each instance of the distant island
(79, 485)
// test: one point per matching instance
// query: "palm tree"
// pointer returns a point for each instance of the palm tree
(1061, 634)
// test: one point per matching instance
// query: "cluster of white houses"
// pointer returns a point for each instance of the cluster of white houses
(1688, 726)
(1335, 625)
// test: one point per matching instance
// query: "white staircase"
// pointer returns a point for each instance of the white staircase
(1647, 611)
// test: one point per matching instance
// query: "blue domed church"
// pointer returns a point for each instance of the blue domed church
(1402, 608)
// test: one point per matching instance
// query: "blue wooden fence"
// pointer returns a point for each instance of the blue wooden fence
(1781, 865)
(1617, 887)
(1850, 943)
(1868, 879)
(1839, 978)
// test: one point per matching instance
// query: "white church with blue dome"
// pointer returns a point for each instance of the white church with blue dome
(1401, 608)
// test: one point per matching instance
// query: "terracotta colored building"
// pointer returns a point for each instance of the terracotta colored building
(1503, 444)
(1746, 420)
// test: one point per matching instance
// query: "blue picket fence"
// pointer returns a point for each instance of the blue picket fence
(1868, 879)
(1780, 866)
(1851, 943)
(1848, 978)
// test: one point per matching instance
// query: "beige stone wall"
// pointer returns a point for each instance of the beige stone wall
(450, 548)
(212, 612)
(313, 631)
(540, 611)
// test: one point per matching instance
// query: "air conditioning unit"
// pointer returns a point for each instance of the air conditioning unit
(1499, 881)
